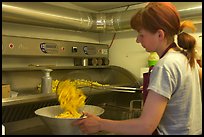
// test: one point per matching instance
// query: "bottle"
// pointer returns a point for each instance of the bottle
(46, 81)
(152, 59)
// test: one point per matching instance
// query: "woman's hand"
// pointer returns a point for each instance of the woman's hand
(89, 125)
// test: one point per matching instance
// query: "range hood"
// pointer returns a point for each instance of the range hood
(43, 14)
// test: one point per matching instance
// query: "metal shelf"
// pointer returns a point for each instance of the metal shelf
(54, 68)
(27, 99)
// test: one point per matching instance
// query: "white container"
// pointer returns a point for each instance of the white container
(13, 94)
(3, 129)
(63, 126)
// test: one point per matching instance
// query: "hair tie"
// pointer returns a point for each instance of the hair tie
(185, 50)
(180, 32)
(182, 49)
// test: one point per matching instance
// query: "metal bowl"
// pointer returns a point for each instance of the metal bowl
(62, 126)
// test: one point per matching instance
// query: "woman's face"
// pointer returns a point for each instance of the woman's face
(148, 40)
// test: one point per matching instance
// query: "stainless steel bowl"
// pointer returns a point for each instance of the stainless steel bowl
(62, 126)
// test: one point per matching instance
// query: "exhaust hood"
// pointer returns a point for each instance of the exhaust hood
(43, 14)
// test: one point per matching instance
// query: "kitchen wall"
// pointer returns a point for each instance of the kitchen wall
(19, 79)
(124, 52)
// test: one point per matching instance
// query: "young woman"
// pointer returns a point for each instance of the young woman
(173, 104)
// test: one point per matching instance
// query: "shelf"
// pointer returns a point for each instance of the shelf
(27, 99)
(54, 68)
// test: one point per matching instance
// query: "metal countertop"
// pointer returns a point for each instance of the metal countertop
(32, 126)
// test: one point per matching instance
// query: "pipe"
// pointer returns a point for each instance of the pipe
(36, 13)
(42, 14)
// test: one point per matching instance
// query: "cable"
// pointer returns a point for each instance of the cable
(115, 32)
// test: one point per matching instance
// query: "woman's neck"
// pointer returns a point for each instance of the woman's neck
(163, 48)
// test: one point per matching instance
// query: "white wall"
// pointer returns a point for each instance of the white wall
(125, 52)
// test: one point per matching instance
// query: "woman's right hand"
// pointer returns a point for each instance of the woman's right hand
(90, 124)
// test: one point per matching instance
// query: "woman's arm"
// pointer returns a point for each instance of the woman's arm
(148, 121)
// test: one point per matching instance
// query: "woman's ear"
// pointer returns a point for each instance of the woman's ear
(161, 34)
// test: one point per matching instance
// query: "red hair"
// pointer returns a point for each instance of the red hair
(163, 15)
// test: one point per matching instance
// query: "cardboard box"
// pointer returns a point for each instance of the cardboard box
(6, 90)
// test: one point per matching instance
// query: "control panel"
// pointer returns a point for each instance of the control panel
(50, 48)
(12, 45)
(83, 53)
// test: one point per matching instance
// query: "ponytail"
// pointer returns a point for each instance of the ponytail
(187, 42)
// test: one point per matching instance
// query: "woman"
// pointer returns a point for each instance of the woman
(173, 104)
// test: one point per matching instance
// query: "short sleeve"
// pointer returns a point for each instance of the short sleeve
(161, 81)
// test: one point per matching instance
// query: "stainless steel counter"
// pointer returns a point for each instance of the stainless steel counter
(19, 118)
(33, 126)
(18, 113)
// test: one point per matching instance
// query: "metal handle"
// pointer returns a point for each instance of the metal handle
(37, 65)
(119, 89)
(126, 88)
